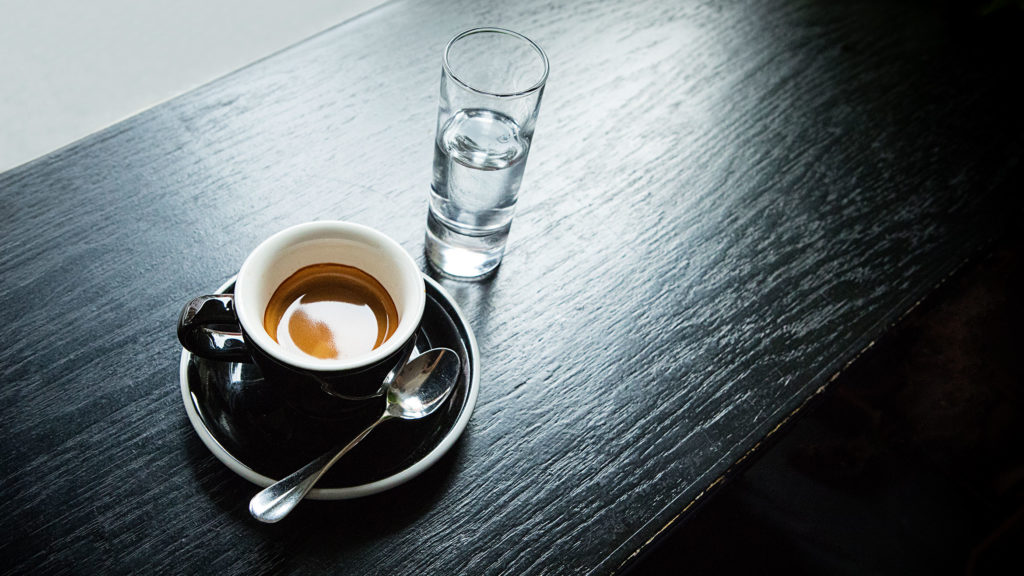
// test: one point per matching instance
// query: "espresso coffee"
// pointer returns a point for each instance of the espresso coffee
(330, 311)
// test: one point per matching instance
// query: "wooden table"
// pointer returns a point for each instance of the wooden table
(725, 204)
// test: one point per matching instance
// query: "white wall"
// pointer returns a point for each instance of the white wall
(71, 67)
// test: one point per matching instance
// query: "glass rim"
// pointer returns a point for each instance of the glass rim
(536, 86)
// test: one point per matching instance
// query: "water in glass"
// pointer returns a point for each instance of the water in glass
(479, 159)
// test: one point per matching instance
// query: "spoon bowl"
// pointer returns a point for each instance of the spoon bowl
(422, 386)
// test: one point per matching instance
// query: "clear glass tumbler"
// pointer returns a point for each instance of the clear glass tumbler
(491, 85)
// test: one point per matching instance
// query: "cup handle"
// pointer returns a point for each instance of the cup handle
(208, 327)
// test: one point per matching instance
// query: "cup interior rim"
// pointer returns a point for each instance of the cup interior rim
(271, 251)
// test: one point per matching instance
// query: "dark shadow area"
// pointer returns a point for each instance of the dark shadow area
(912, 462)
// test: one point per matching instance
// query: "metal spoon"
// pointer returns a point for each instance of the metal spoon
(418, 390)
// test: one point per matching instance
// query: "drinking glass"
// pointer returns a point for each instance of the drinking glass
(491, 85)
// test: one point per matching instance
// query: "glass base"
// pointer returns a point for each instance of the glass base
(462, 255)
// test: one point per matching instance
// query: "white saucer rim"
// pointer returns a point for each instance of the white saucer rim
(347, 492)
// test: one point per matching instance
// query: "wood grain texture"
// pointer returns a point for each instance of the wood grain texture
(725, 203)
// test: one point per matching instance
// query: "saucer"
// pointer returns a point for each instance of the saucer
(235, 413)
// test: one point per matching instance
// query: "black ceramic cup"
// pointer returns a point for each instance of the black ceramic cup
(229, 327)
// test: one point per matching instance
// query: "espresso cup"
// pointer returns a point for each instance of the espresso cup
(230, 327)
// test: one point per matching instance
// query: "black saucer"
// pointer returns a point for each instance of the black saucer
(236, 415)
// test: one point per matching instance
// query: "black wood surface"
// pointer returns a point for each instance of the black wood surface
(725, 203)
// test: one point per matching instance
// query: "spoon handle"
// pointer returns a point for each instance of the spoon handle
(275, 501)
